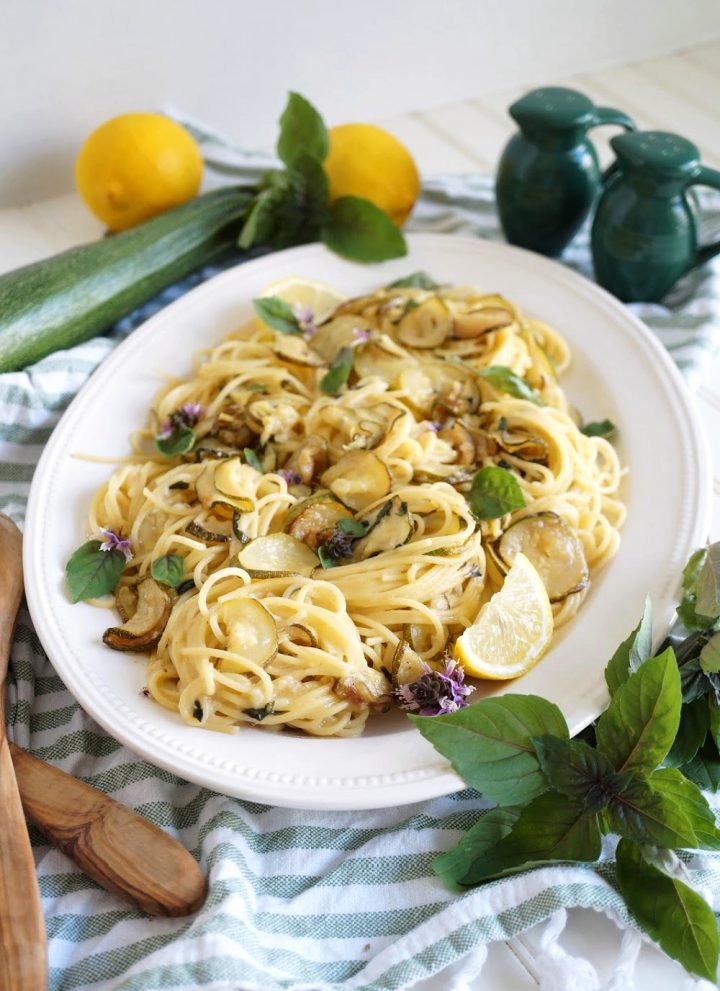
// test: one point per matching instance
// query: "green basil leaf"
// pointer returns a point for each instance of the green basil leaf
(670, 912)
(260, 714)
(694, 725)
(92, 572)
(326, 559)
(490, 744)
(632, 652)
(259, 221)
(168, 570)
(639, 726)
(578, 771)
(692, 570)
(185, 586)
(416, 280)
(708, 583)
(704, 768)
(454, 865)
(505, 380)
(551, 828)
(302, 132)
(333, 380)
(644, 815)
(357, 229)
(710, 655)
(278, 314)
(355, 528)
(674, 785)
(713, 712)
(494, 492)
(179, 442)
(599, 428)
(252, 459)
(688, 613)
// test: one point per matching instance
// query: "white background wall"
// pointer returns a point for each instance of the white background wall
(67, 65)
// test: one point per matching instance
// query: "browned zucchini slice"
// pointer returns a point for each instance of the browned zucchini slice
(552, 547)
(407, 665)
(371, 688)
(294, 350)
(477, 322)
(392, 526)
(196, 529)
(144, 629)
(522, 446)
(316, 522)
(426, 325)
(358, 479)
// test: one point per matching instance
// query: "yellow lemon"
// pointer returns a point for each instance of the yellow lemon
(302, 294)
(366, 161)
(512, 630)
(136, 166)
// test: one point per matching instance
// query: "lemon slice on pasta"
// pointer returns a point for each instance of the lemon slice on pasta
(306, 294)
(512, 630)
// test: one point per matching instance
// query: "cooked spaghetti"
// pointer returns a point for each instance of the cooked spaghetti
(322, 527)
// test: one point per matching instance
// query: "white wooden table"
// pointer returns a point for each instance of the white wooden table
(678, 92)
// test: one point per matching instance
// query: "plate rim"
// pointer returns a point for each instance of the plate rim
(438, 778)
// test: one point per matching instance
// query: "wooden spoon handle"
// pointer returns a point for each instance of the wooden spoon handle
(118, 848)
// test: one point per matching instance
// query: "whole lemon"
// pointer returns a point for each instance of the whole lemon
(366, 161)
(136, 166)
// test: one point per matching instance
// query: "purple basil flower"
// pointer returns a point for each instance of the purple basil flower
(436, 692)
(191, 413)
(291, 477)
(166, 430)
(306, 320)
(116, 542)
(429, 425)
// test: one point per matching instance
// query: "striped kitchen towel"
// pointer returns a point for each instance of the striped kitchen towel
(307, 901)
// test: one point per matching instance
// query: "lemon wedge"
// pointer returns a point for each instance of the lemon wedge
(319, 297)
(512, 630)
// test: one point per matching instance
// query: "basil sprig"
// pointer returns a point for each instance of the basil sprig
(339, 372)
(292, 205)
(168, 570)
(92, 571)
(599, 428)
(505, 379)
(278, 314)
(494, 492)
(637, 773)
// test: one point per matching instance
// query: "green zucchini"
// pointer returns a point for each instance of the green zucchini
(63, 300)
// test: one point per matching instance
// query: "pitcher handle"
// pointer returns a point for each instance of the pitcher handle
(706, 177)
(608, 115)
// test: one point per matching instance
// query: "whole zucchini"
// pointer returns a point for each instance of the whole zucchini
(63, 300)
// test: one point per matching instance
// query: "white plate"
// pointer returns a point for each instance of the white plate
(619, 371)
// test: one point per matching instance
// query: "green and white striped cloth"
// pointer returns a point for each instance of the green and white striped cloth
(308, 901)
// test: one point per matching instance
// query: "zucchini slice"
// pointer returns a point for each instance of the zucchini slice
(530, 448)
(315, 524)
(358, 479)
(220, 500)
(144, 629)
(277, 554)
(391, 527)
(251, 630)
(426, 325)
(407, 665)
(475, 323)
(301, 636)
(552, 547)
(196, 529)
(296, 351)
(370, 688)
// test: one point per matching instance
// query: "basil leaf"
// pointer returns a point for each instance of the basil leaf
(708, 584)
(252, 459)
(687, 611)
(670, 912)
(578, 771)
(494, 492)
(704, 768)
(551, 828)
(505, 379)
(357, 229)
(454, 865)
(332, 381)
(674, 785)
(326, 559)
(180, 441)
(168, 570)
(490, 744)
(259, 221)
(91, 572)
(278, 314)
(599, 428)
(185, 586)
(632, 652)
(302, 132)
(355, 528)
(710, 655)
(638, 727)
(694, 725)
(416, 280)
(640, 813)
(260, 714)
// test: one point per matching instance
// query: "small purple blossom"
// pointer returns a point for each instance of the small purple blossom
(166, 430)
(306, 320)
(429, 425)
(362, 336)
(116, 542)
(291, 477)
(192, 413)
(186, 416)
(436, 692)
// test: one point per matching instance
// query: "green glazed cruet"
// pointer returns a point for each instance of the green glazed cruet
(549, 177)
(644, 236)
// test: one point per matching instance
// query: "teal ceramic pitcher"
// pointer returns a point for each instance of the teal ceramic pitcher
(548, 176)
(644, 235)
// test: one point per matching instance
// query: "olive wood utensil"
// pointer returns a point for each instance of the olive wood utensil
(23, 947)
(118, 848)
